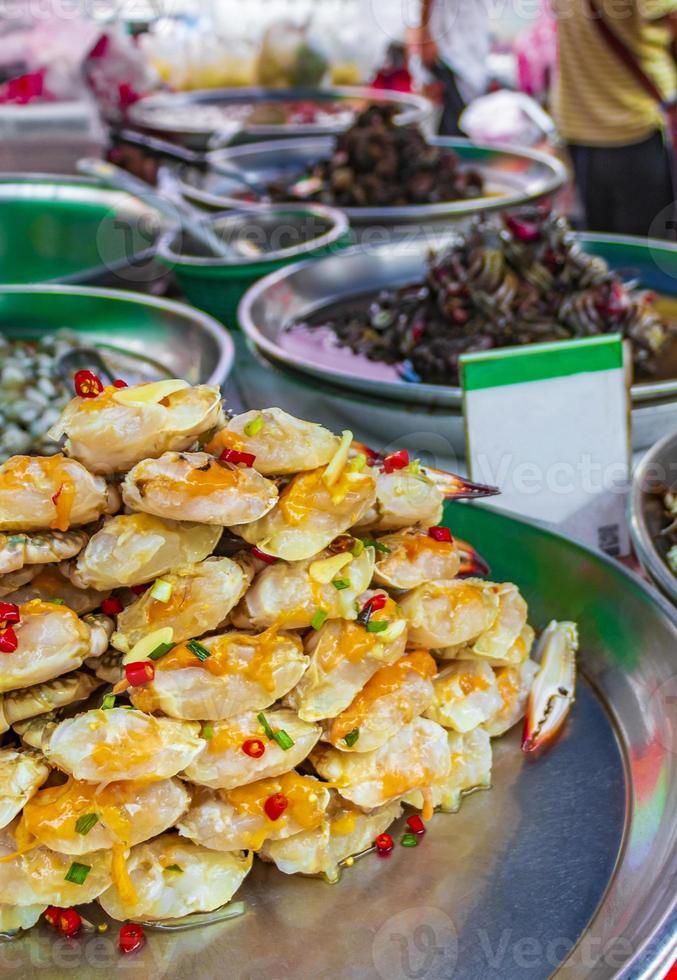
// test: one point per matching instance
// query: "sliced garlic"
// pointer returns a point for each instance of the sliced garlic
(145, 646)
(148, 394)
(325, 569)
(336, 464)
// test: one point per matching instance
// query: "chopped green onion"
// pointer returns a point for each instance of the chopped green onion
(283, 740)
(162, 590)
(377, 625)
(77, 873)
(341, 583)
(202, 653)
(84, 824)
(409, 840)
(174, 867)
(376, 545)
(253, 427)
(160, 650)
(352, 737)
(358, 463)
(57, 602)
(261, 718)
(108, 701)
(318, 619)
(208, 731)
(358, 548)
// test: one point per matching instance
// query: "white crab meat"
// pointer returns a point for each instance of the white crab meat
(200, 598)
(38, 493)
(197, 487)
(408, 558)
(391, 698)
(450, 614)
(112, 432)
(243, 672)
(170, 877)
(223, 764)
(21, 776)
(29, 702)
(343, 833)
(131, 549)
(16, 917)
(514, 684)
(343, 656)
(505, 641)
(52, 640)
(281, 443)
(49, 583)
(466, 695)
(470, 769)
(230, 820)
(414, 758)
(314, 508)
(404, 498)
(103, 745)
(290, 593)
(40, 548)
(78, 817)
(553, 689)
(37, 875)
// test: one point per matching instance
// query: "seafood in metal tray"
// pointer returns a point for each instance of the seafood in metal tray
(519, 279)
(167, 712)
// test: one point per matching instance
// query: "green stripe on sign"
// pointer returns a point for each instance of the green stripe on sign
(537, 362)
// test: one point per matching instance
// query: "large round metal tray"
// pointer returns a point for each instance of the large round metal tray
(513, 176)
(656, 472)
(566, 867)
(159, 112)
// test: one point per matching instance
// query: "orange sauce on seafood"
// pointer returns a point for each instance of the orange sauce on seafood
(202, 483)
(103, 400)
(507, 679)
(305, 807)
(353, 642)
(36, 607)
(225, 439)
(127, 748)
(307, 494)
(121, 879)
(33, 471)
(227, 736)
(343, 824)
(161, 611)
(52, 813)
(467, 682)
(416, 545)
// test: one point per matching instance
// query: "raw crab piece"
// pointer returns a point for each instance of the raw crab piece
(450, 614)
(21, 776)
(412, 558)
(281, 443)
(514, 684)
(38, 493)
(13, 581)
(343, 833)
(230, 820)
(391, 698)
(290, 593)
(416, 757)
(16, 917)
(314, 508)
(343, 656)
(466, 695)
(103, 745)
(122, 812)
(404, 498)
(505, 641)
(472, 563)
(38, 876)
(197, 487)
(243, 673)
(52, 640)
(222, 763)
(120, 427)
(49, 583)
(41, 548)
(16, 706)
(108, 667)
(135, 548)
(553, 689)
(470, 769)
(201, 596)
(157, 890)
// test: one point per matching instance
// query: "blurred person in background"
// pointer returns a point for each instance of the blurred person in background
(616, 76)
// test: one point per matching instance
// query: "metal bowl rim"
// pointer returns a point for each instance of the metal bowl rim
(643, 541)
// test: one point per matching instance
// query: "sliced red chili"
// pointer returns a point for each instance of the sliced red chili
(416, 825)
(384, 844)
(70, 922)
(440, 534)
(111, 606)
(131, 937)
(9, 612)
(275, 806)
(235, 456)
(52, 913)
(371, 606)
(8, 640)
(262, 556)
(253, 747)
(87, 384)
(140, 672)
(119, 383)
(396, 461)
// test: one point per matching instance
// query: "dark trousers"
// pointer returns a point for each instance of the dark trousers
(626, 189)
(452, 101)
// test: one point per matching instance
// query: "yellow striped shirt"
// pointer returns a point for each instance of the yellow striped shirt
(598, 102)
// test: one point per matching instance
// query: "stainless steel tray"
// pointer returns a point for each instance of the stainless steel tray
(658, 469)
(567, 866)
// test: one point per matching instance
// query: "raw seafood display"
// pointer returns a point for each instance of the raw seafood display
(517, 279)
(377, 163)
(670, 532)
(276, 675)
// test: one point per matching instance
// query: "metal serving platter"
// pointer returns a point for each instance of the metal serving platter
(193, 117)
(657, 471)
(142, 336)
(566, 867)
(513, 176)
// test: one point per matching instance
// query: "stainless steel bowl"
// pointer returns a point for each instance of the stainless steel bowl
(656, 471)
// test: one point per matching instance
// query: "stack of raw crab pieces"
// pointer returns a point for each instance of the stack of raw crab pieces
(177, 696)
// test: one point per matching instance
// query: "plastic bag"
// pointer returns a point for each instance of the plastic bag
(507, 117)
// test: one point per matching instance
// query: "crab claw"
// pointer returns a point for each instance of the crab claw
(455, 487)
(552, 692)
(472, 563)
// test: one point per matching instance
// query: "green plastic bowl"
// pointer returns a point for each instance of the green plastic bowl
(259, 243)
